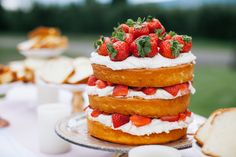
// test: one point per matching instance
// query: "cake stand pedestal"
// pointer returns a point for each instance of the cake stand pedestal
(74, 130)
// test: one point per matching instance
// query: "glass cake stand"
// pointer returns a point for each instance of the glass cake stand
(74, 130)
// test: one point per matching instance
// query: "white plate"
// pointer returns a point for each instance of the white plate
(4, 88)
(43, 53)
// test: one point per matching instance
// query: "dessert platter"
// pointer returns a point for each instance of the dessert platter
(140, 89)
(8, 79)
(43, 42)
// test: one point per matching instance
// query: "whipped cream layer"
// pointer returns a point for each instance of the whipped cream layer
(132, 62)
(160, 93)
(156, 125)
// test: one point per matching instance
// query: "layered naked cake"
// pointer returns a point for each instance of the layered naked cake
(141, 87)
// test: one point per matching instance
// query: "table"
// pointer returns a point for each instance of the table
(20, 139)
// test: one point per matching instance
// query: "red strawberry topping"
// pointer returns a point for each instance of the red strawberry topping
(188, 113)
(140, 120)
(122, 36)
(124, 27)
(182, 116)
(119, 120)
(170, 48)
(118, 51)
(186, 41)
(137, 28)
(173, 90)
(144, 47)
(184, 88)
(101, 45)
(154, 24)
(101, 84)
(149, 90)
(120, 90)
(170, 118)
(92, 80)
(95, 113)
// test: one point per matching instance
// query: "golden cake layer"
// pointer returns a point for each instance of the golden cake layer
(154, 108)
(160, 77)
(103, 132)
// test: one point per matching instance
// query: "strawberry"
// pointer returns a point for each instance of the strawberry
(124, 27)
(119, 120)
(118, 51)
(95, 113)
(137, 88)
(173, 90)
(122, 36)
(169, 35)
(109, 83)
(186, 41)
(101, 45)
(140, 120)
(149, 90)
(120, 90)
(154, 37)
(154, 24)
(92, 80)
(170, 118)
(144, 46)
(182, 116)
(101, 84)
(170, 48)
(184, 88)
(188, 113)
(137, 28)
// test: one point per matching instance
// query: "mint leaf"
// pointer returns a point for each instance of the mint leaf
(111, 50)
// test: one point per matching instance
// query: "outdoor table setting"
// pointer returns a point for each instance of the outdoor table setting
(130, 98)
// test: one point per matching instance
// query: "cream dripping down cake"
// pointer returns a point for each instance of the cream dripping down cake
(141, 87)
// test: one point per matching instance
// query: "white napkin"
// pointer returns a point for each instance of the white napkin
(11, 148)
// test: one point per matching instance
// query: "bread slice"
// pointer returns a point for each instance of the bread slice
(217, 134)
(203, 132)
(82, 70)
(57, 70)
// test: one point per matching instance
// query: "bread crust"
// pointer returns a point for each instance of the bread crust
(103, 132)
(160, 77)
(154, 108)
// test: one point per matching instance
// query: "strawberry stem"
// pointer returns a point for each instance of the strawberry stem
(111, 50)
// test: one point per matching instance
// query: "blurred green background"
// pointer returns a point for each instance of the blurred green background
(212, 23)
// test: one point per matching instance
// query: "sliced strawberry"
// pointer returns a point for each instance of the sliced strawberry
(188, 113)
(140, 120)
(109, 83)
(101, 84)
(184, 88)
(173, 90)
(182, 116)
(95, 113)
(137, 88)
(92, 80)
(170, 118)
(119, 120)
(149, 90)
(120, 90)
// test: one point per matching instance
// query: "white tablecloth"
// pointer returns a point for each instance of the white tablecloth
(20, 138)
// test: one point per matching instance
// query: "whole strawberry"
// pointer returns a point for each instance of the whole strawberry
(124, 27)
(122, 36)
(118, 51)
(144, 46)
(137, 28)
(169, 35)
(170, 48)
(101, 45)
(154, 24)
(186, 41)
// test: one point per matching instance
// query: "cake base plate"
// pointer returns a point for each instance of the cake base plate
(74, 130)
